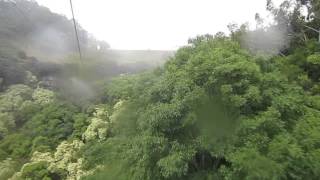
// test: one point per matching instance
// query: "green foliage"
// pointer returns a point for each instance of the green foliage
(55, 121)
(95, 154)
(12, 106)
(314, 59)
(249, 164)
(80, 125)
(43, 96)
(214, 112)
(16, 145)
(36, 171)
(41, 144)
(14, 96)
(7, 168)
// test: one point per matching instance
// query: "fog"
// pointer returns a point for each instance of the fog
(50, 40)
(269, 41)
(157, 25)
(49, 43)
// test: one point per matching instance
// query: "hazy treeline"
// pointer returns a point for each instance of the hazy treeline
(36, 30)
(35, 40)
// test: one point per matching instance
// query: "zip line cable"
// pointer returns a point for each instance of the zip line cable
(75, 30)
(73, 18)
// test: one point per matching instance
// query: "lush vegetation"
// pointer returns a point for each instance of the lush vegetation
(220, 108)
(214, 112)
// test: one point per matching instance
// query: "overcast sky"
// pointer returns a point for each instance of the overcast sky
(156, 24)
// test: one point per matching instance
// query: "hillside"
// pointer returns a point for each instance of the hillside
(216, 109)
(34, 29)
(37, 41)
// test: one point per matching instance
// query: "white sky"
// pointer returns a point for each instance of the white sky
(156, 24)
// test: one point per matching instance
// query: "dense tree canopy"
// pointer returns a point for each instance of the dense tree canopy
(216, 111)
(221, 108)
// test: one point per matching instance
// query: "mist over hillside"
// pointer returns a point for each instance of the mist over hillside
(27, 26)
(35, 40)
(34, 29)
(224, 107)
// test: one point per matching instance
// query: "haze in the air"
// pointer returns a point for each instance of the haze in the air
(161, 24)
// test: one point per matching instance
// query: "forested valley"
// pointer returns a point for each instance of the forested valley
(243, 105)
